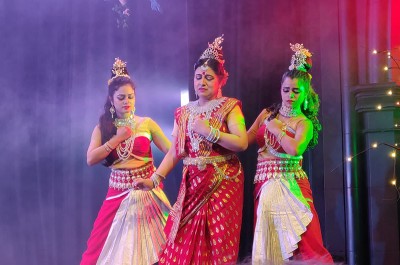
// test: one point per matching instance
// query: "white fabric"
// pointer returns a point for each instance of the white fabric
(281, 219)
(136, 235)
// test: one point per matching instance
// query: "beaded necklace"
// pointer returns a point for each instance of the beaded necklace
(125, 147)
(204, 111)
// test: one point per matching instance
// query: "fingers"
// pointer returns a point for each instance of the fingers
(139, 184)
(135, 185)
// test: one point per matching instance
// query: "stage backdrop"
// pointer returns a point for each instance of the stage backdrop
(55, 59)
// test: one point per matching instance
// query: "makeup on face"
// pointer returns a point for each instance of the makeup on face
(124, 100)
(292, 92)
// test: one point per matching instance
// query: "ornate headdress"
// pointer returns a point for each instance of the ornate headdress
(301, 59)
(118, 69)
(214, 51)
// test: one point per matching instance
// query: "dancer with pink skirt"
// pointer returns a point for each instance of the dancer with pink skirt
(129, 228)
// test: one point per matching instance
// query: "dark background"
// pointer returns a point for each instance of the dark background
(55, 60)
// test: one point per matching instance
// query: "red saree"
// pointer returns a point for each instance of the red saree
(204, 225)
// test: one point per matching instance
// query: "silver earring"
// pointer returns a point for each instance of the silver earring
(112, 111)
(305, 104)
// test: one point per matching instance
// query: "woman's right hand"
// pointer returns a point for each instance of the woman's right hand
(274, 126)
(123, 133)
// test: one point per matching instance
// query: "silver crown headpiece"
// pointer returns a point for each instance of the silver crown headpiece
(214, 50)
(301, 59)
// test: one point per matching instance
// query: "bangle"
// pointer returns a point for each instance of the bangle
(107, 147)
(280, 137)
(156, 178)
(214, 135)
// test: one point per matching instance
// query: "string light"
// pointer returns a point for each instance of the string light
(398, 103)
(389, 56)
(390, 92)
(379, 107)
(375, 145)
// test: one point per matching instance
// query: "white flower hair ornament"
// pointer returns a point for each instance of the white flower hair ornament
(301, 59)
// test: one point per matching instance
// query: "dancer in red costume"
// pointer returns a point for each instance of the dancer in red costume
(204, 225)
(129, 228)
(286, 223)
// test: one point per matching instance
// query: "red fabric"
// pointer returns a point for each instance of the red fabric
(311, 246)
(141, 147)
(209, 230)
(101, 228)
(260, 138)
(212, 234)
(181, 118)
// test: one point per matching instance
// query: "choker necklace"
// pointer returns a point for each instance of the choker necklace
(289, 111)
(129, 122)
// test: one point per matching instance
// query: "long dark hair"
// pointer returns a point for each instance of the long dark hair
(310, 110)
(106, 124)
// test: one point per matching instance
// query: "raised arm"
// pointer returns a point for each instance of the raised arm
(252, 132)
(234, 140)
(297, 145)
(97, 152)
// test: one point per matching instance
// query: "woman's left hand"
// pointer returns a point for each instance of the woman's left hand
(143, 184)
(201, 126)
(274, 126)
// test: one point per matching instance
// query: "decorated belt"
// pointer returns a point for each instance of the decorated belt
(122, 178)
(201, 161)
(278, 168)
